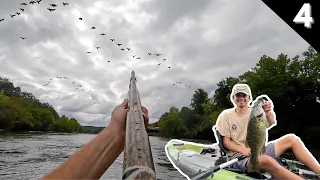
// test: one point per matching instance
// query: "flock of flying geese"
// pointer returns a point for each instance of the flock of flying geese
(53, 7)
(34, 2)
(78, 86)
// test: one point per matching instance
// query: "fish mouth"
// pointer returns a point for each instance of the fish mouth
(260, 115)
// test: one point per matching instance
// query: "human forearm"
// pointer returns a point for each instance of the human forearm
(91, 161)
(232, 146)
(270, 117)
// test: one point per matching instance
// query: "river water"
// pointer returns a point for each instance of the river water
(31, 156)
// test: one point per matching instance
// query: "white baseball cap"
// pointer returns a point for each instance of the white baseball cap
(243, 88)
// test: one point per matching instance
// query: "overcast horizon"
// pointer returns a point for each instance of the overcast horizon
(201, 41)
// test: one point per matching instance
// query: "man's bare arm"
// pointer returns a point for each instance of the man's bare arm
(230, 145)
(270, 118)
(91, 161)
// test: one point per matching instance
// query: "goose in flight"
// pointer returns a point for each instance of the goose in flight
(112, 40)
(12, 15)
(32, 2)
(159, 64)
(149, 54)
(23, 38)
(23, 4)
(128, 49)
(98, 47)
(1, 20)
(102, 34)
(134, 56)
(39, 1)
(138, 58)
(93, 27)
(53, 5)
(18, 13)
(65, 3)
(88, 52)
(51, 9)
(73, 82)
(164, 59)
(169, 67)
(21, 9)
(80, 18)
(157, 54)
(119, 44)
(108, 61)
(122, 49)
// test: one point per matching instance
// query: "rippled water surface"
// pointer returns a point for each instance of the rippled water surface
(31, 156)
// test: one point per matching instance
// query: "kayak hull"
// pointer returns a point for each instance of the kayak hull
(189, 160)
(192, 159)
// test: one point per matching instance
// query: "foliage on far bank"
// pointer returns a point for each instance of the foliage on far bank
(292, 84)
(21, 111)
(91, 129)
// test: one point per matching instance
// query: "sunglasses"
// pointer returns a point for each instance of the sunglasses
(238, 95)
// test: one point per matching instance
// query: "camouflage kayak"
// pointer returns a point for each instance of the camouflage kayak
(192, 160)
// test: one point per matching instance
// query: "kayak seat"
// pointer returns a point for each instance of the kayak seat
(223, 151)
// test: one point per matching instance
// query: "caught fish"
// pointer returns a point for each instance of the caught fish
(256, 134)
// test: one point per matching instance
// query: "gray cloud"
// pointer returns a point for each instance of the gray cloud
(202, 41)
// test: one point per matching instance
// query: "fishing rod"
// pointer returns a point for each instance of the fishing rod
(300, 173)
(137, 162)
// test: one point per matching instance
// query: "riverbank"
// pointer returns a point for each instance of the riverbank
(83, 130)
(41, 132)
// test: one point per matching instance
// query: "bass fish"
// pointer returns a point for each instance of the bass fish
(256, 134)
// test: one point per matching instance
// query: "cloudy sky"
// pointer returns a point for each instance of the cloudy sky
(203, 41)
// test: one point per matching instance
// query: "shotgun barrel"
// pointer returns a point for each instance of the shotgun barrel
(155, 129)
(138, 161)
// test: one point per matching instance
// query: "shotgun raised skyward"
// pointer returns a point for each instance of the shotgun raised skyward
(138, 162)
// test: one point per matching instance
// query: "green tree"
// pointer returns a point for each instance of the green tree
(21, 111)
(172, 125)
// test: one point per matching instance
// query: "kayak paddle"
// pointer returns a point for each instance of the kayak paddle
(217, 168)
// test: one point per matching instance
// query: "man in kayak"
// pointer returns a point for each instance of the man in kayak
(92, 160)
(232, 125)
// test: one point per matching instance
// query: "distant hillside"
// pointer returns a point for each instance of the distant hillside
(22, 111)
